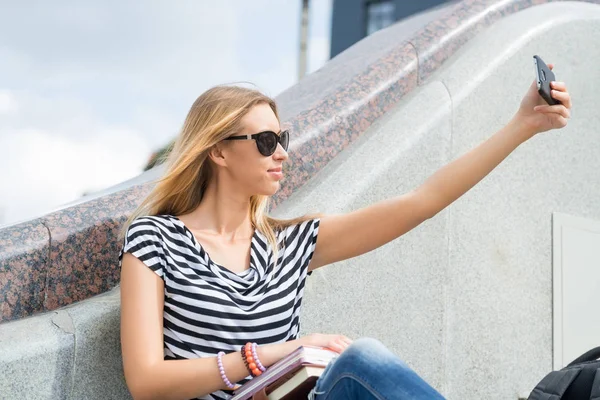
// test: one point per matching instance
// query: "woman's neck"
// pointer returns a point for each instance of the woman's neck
(222, 213)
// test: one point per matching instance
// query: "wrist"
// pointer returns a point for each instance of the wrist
(521, 128)
(271, 353)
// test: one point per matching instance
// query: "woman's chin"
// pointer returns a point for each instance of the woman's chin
(271, 189)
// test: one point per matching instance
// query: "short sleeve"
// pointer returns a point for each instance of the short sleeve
(302, 238)
(144, 241)
(311, 245)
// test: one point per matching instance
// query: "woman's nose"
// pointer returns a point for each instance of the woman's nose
(280, 153)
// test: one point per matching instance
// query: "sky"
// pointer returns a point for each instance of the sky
(88, 90)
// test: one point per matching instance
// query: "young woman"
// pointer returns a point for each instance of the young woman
(211, 286)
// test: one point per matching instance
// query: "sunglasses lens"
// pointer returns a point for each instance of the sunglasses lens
(267, 143)
(285, 139)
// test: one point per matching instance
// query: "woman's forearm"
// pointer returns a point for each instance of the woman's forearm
(185, 379)
(459, 176)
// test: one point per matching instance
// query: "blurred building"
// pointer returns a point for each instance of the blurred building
(352, 20)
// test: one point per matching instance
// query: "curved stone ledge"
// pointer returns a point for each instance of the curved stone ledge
(78, 258)
(64, 257)
(24, 260)
(84, 246)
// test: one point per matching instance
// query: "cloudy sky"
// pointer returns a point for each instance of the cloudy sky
(89, 89)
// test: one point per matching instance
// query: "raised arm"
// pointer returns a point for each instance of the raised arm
(349, 235)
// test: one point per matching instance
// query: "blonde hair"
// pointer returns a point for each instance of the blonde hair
(214, 116)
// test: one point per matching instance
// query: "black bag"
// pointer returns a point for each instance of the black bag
(579, 380)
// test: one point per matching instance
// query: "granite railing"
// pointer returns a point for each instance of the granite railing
(71, 254)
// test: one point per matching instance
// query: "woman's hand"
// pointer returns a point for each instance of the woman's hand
(537, 116)
(337, 343)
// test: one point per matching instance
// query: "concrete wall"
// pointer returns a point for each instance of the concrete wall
(499, 293)
(72, 353)
(466, 297)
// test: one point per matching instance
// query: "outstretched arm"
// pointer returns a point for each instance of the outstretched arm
(349, 235)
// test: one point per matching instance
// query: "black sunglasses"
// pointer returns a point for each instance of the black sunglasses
(266, 141)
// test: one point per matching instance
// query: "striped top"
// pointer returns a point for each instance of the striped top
(208, 308)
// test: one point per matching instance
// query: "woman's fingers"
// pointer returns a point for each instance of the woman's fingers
(339, 343)
(563, 97)
(337, 347)
(346, 340)
(558, 118)
(343, 342)
(562, 121)
(560, 92)
(559, 109)
(559, 121)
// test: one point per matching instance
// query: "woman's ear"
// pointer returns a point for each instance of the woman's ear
(216, 155)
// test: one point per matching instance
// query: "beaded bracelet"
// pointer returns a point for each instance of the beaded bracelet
(222, 371)
(252, 366)
(243, 352)
(256, 360)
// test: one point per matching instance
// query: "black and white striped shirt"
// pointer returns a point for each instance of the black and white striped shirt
(208, 308)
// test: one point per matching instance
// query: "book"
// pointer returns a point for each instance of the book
(302, 356)
(296, 386)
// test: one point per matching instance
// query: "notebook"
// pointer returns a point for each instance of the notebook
(302, 356)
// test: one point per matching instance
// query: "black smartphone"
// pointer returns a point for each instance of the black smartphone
(544, 76)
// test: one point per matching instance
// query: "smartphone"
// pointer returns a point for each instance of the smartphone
(544, 76)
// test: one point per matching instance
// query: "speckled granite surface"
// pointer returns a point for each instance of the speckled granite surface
(24, 253)
(71, 254)
(83, 247)
(63, 257)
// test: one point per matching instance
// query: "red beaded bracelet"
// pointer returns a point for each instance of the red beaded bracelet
(251, 363)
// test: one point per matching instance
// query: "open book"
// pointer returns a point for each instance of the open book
(286, 367)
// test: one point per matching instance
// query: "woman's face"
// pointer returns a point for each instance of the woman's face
(252, 172)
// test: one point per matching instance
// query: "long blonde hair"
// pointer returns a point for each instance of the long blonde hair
(214, 116)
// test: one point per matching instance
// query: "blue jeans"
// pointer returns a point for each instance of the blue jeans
(368, 370)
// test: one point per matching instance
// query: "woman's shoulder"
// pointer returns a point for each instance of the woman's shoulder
(305, 226)
(310, 222)
(162, 219)
(160, 225)
(148, 240)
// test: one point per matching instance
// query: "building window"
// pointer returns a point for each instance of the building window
(380, 14)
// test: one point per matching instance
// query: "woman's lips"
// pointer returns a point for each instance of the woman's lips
(276, 173)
